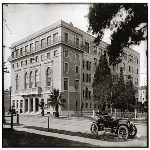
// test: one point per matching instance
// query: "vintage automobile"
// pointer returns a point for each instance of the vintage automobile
(122, 128)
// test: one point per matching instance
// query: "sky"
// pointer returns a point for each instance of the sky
(21, 20)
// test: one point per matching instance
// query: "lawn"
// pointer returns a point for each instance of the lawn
(24, 139)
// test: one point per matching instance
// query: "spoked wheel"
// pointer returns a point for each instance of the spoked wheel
(133, 131)
(123, 132)
(94, 129)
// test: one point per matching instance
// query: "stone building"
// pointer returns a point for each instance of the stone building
(64, 57)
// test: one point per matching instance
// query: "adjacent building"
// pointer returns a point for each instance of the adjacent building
(64, 57)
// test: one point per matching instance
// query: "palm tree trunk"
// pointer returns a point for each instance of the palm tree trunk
(57, 113)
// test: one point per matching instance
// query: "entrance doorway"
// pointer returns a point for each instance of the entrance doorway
(26, 105)
(36, 105)
(31, 104)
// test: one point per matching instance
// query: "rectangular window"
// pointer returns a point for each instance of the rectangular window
(66, 37)
(12, 54)
(48, 55)
(130, 57)
(65, 83)
(49, 40)
(83, 76)
(87, 47)
(66, 67)
(14, 103)
(17, 65)
(83, 63)
(36, 59)
(41, 57)
(31, 47)
(89, 94)
(83, 93)
(86, 105)
(132, 69)
(21, 51)
(42, 42)
(76, 84)
(66, 53)
(17, 104)
(77, 42)
(17, 53)
(31, 60)
(55, 53)
(21, 63)
(89, 77)
(87, 65)
(129, 68)
(21, 103)
(55, 37)
(137, 71)
(77, 56)
(76, 103)
(26, 62)
(82, 105)
(12, 65)
(36, 45)
(77, 69)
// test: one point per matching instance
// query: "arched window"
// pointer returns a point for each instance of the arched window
(26, 80)
(17, 82)
(36, 78)
(48, 77)
(31, 79)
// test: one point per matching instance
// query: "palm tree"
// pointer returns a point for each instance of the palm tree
(57, 99)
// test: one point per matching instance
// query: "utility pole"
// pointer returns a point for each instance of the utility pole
(10, 95)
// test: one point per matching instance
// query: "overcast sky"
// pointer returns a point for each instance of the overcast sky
(21, 20)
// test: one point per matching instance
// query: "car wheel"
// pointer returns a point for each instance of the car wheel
(123, 132)
(94, 129)
(133, 131)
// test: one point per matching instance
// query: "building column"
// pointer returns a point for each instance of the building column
(34, 105)
(28, 105)
(23, 107)
(19, 105)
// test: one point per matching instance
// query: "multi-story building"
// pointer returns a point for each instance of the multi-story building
(143, 94)
(64, 57)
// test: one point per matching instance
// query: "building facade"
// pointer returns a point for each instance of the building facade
(64, 57)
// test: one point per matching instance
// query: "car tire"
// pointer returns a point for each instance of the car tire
(134, 131)
(123, 132)
(94, 128)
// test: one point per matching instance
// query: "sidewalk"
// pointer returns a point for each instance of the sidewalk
(100, 143)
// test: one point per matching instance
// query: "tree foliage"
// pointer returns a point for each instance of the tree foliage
(127, 22)
(123, 94)
(102, 82)
(119, 93)
(57, 99)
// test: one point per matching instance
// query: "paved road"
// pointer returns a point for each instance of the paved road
(77, 124)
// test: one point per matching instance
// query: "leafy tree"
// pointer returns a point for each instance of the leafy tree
(102, 82)
(126, 21)
(57, 99)
(119, 93)
(130, 97)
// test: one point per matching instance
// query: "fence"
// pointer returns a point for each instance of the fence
(123, 115)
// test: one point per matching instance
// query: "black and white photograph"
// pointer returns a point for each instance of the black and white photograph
(75, 75)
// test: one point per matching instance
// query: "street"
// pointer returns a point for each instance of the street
(82, 124)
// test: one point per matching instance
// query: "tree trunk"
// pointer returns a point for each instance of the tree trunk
(57, 113)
